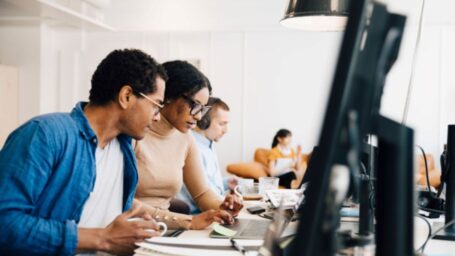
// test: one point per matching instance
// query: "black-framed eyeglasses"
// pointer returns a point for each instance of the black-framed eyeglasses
(157, 105)
(196, 107)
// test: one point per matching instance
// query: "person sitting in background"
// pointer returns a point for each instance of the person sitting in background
(284, 162)
(168, 155)
(66, 178)
(211, 128)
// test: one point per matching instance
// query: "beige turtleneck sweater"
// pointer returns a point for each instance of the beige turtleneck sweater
(166, 159)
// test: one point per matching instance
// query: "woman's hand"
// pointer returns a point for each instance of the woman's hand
(205, 219)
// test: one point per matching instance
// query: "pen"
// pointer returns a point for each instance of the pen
(237, 246)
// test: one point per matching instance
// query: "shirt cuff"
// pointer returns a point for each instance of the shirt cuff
(70, 238)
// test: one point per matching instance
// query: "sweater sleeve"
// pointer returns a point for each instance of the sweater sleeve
(193, 177)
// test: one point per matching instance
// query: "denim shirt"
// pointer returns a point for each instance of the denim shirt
(47, 171)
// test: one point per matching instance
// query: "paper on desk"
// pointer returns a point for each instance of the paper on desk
(223, 230)
(193, 246)
(202, 241)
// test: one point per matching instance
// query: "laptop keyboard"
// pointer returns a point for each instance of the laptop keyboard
(254, 228)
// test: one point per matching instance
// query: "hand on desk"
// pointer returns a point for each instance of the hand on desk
(232, 204)
(205, 219)
(121, 235)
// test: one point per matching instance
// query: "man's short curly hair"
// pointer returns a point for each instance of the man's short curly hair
(124, 67)
(184, 79)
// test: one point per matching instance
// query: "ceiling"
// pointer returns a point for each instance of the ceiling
(193, 15)
(202, 15)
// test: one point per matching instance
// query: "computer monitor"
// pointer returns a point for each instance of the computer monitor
(369, 157)
(448, 178)
(369, 47)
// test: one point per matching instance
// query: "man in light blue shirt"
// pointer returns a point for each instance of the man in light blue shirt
(211, 128)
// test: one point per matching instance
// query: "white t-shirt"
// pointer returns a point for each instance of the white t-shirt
(105, 202)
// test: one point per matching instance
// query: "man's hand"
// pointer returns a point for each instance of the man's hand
(121, 235)
(203, 220)
(232, 203)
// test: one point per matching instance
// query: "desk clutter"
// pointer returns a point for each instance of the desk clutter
(249, 234)
(217, 240)
(252, 232)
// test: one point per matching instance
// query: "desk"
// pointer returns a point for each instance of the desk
(203, 235)
(434, 247)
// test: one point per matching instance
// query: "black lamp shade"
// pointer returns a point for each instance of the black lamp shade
(316, 15)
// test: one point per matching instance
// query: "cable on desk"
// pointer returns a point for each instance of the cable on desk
(370, 181)
(427, 176)
(436, 232)
(429, 233)
(431, 210)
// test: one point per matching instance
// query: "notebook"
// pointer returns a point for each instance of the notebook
(192, 246)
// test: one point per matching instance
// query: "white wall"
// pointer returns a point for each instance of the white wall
(287, 79)
(47, 59)
(431, 104)
(20, 48)
(265, 80)
(195, 15)
(278, 78)
(270, 76)
(9, 100)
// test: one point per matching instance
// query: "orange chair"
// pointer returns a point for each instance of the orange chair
(255, 169)
(259, 167)
(433, 173)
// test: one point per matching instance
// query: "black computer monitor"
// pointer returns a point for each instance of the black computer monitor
(448, 179)
(369, 47)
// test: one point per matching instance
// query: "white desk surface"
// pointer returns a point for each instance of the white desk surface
(434, 247)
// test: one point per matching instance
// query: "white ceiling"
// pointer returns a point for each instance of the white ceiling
(203, 15)
(167, 15)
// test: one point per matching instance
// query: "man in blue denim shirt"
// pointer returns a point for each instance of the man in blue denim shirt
(49, 165)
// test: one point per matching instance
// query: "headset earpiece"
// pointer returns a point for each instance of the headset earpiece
(205, 121)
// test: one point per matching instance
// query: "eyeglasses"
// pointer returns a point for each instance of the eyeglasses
(157, 105)
(196, 107)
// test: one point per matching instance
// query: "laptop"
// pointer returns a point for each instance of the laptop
(255, 229)
(246, 229)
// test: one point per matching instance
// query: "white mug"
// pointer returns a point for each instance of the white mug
(161, 225)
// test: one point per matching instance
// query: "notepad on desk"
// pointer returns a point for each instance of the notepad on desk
(290, 198)
(189, 246)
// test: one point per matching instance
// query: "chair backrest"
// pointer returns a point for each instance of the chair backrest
(433, 172)
(261, 155)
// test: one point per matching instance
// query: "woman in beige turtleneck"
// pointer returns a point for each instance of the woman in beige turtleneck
(168, 156)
